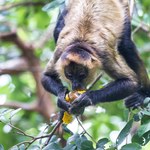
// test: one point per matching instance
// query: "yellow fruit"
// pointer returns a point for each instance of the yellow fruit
(67, 98)
(67, 118)
(81, 91)
(70, 97)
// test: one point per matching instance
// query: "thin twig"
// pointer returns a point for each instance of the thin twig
(20, 131)
(100, 75)
(84, 129)
(39, 137)
(52, 132)
(136, 29)
(55, 128)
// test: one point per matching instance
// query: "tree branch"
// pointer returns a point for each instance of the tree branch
(30, 3)
(14, 66)
(24, 106)
(44, 105)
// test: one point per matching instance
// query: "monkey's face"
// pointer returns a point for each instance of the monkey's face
(78, 67)
(77, 74)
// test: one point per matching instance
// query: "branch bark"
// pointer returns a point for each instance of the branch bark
(30, 3)
(15, 105)
(14, 66)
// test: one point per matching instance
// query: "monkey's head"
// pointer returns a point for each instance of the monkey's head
(78, 66)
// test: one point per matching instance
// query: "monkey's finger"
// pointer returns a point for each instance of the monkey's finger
(63, 105)
(81, 103)
(134, 103)
(76, 111)
(77, 100)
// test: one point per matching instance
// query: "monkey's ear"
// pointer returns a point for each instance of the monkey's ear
(94, 59)
(93, 62)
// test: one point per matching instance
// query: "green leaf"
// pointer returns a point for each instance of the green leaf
(146, 112)
(142, 136)
(52, 146)
(101, 143)
(145, 119)
(124, 132)
(1, 147)
(4, 114)
(3, 119)
(73, 138)
(14, 112)
(14, 148)
(5, 111)
(79, 141)
(70, 147)
(87, 145)
(146, 101)
(34, 147)
(143, 140)
(143, 129)
(132, 146)
(22, 147)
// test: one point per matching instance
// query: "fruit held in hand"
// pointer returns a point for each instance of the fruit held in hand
(70, 97)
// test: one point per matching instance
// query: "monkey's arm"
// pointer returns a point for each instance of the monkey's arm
(52, 83)
(116, 90)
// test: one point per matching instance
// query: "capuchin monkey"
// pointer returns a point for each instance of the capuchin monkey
(94, 36)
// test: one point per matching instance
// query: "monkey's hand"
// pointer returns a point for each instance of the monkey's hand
(80, 103)
(61, 102)
(135, 100)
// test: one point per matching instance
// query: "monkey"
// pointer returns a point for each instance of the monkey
(94, 36)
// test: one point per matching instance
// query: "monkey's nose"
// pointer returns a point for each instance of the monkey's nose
(77, 86)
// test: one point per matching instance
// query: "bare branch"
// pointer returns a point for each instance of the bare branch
(14, 66)
(85, 130)
(53, 131)
(24, 106)
(31, 3)
(20, 131)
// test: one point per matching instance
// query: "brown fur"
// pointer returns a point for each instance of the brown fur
(98, 25)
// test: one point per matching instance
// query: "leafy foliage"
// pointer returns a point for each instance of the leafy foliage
(80, 141)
